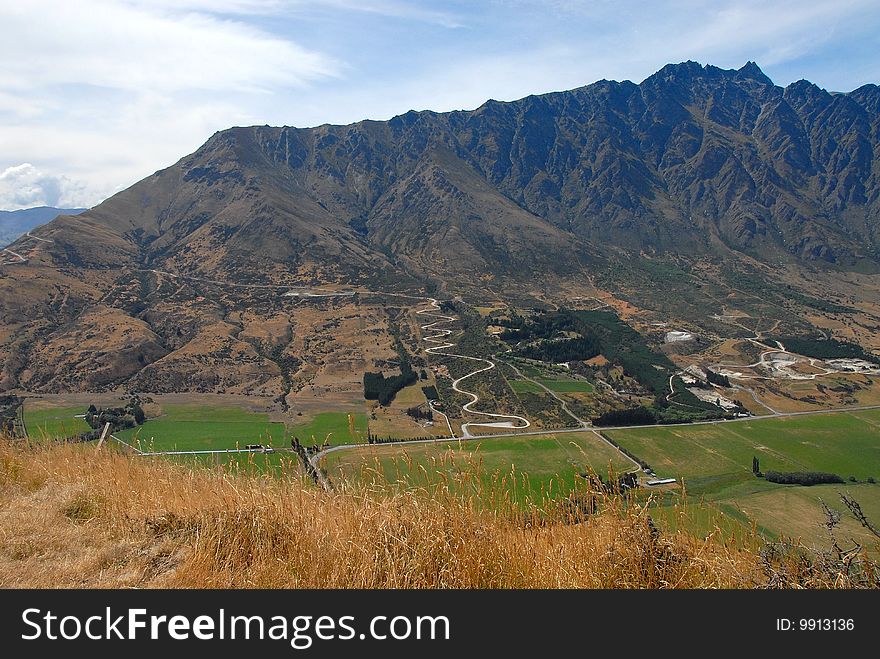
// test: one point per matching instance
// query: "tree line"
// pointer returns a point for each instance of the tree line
(633, 416)
(561, 350)
(717, 378)
(420, 414)
(802, 477)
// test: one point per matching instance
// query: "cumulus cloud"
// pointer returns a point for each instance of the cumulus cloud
(25, 186)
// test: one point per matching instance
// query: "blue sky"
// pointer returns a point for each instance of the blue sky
(96, 94)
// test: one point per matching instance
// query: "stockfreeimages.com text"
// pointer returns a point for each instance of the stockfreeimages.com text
(300, 631)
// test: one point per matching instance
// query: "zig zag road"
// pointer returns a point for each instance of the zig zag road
(438, 349)
(439, 340)
(21, 259)
(441, 345)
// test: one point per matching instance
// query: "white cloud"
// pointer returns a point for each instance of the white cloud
(105, 92)
(392, 9)
(398, 9)
(114, 44)
(25, 186)
(212, 6)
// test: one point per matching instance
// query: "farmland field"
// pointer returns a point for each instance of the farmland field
(332, 427)
(525, 387)
(798, 511)
(555, 379)
(562, 386)
(204, 427)
(55, 422)
(713, 456)
(540, 460)
(714, 462)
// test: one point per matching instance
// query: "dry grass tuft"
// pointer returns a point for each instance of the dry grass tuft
(71, 517)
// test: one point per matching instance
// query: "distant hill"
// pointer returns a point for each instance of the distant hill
(16, 223)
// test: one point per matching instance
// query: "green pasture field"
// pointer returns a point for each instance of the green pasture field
(721, 495)
(525, 387)
(704, 519)
(555, 381)
(54, 423)
(796, 512)
(204, 427)
(529, 369)
(714, 457)
(334, 425)
(714, 462)
(538, 461)
(562, 386)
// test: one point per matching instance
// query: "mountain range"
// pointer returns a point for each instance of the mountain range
(714, 173)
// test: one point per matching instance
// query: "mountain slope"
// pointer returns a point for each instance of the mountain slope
(15, 223)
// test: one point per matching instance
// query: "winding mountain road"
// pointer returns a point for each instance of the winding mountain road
(513, 422)
(506, 421)
(20, 258)
(44, 240)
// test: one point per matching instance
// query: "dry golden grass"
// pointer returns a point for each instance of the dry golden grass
(73, 517)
